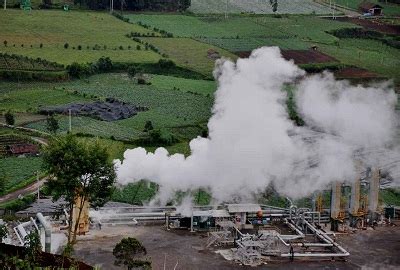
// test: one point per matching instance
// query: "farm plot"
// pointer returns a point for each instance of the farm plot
(368, 54)
(31, 97)
(16, 170)
(249, 44)
(66, 37)
(307, 57)
(257, 6)
(172, 102)
(205, 26)
(189, 53)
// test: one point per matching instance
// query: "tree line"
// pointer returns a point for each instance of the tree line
(136, 5)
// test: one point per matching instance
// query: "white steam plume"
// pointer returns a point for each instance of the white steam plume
(252, 142)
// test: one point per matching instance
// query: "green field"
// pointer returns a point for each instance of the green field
(16, 169)
(87, 29)
(369, 54)
(161, 98)
(257, 6)
(239, 33)
(189, 53)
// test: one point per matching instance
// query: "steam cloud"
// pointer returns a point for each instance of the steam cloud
(252, 143)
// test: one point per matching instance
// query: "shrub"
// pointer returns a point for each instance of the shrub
(104, 64)
(5, 43)
(79, 47)
(66, 45)
(9, 116)
(79, 70)
(41, 45)
(132, 71)
(138, 47)
(166, 64)
(121, 47)
(141, 81)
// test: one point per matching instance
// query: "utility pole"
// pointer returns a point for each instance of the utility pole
(5, 4)
(226, 9)
(111, 6)
(38, 188)
(70, 121)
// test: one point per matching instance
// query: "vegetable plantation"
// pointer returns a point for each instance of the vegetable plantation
(257, 6)
(15, 170)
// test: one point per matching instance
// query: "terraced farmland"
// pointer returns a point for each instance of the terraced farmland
(43, 34)
(257, 6)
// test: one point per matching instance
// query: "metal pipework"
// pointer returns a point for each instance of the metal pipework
(47, 232)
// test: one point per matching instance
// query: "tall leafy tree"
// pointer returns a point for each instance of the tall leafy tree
(52, 124)
(79, 169)
(130, 252)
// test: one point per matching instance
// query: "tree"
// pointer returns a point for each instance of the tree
(10, 120)
(274, 5)
(3, 232)
(78, 170)
(52, 124)
(104, 64)
(3, 181)
(130, 252)
(132, 71)
(148, 126)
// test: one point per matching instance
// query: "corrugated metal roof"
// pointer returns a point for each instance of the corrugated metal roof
(243, 208)
(211, 213)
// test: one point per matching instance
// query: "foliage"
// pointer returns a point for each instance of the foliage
(3, 232)
(52, 124)
(10, 119)
(19, 204)
(291, 107)
(33, 245)
(79, 169)
(132, 71)
(104, 64)
(130, 252)
(148, 126)
(135, 193)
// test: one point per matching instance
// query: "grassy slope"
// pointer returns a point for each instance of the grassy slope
(189, 53)
(55, 28)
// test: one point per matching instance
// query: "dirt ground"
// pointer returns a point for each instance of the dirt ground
(373, 24)
(377, 249)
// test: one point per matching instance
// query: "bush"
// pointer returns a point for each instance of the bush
(10, 119)
(77, 70)
(79, 47)
(166, 64)
(66, 45)
(132, 71)
(5, 43)
(138, 47)
(41, 45)
(141, 81)
(104, 64)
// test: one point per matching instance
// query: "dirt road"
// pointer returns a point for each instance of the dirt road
(32, 188)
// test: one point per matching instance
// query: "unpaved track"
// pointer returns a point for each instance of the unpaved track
(32, 188)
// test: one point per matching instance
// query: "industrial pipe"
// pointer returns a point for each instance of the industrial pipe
(47, 232)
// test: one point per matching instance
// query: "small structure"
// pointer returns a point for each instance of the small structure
(371, 8)
(204, 220)
(240, 211)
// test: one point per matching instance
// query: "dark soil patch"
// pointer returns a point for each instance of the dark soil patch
(355, 72)
(373, 24)
(299, 56)
(110, 110)
(307, 56)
